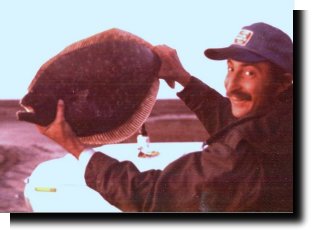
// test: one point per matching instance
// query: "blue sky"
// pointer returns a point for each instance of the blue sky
(33, 31)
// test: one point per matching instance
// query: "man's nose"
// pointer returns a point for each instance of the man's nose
(232, 82)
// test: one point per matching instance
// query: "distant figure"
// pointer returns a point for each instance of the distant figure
(247, 163)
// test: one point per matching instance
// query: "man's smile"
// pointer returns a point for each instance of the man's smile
(239, 96)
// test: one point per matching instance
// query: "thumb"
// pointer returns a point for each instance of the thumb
(171, 83)
(60, 111)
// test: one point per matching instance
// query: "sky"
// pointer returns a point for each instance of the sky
(33, 31)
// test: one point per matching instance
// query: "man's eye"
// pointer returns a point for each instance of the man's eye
(230, 69)
(249, 73)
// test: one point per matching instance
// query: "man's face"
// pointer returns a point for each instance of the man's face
(249, 87)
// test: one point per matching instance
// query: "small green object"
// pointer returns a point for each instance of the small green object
(45, 189)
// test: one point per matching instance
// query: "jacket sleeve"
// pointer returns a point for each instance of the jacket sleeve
(216, 179)
(211, 108)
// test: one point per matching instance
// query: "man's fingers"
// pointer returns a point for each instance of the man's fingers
(171, 83)
(60, 111)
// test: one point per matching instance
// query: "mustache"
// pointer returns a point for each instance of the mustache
(239, 94)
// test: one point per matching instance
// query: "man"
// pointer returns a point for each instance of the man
(247, 163)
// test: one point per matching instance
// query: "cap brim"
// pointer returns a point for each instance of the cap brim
(234, 52)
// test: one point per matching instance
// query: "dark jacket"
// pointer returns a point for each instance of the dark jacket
(247, 166)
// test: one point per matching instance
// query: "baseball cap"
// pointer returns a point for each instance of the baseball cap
(258, 42)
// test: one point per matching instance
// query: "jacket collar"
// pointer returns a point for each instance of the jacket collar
(282, 105)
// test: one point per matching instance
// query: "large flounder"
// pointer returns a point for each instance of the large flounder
(108, 83)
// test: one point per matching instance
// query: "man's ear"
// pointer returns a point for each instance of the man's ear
(285, 83)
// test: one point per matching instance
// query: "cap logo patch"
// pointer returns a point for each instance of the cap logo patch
(243, 37)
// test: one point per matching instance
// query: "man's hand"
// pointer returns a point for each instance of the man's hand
(171, 69)
(60, 132)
